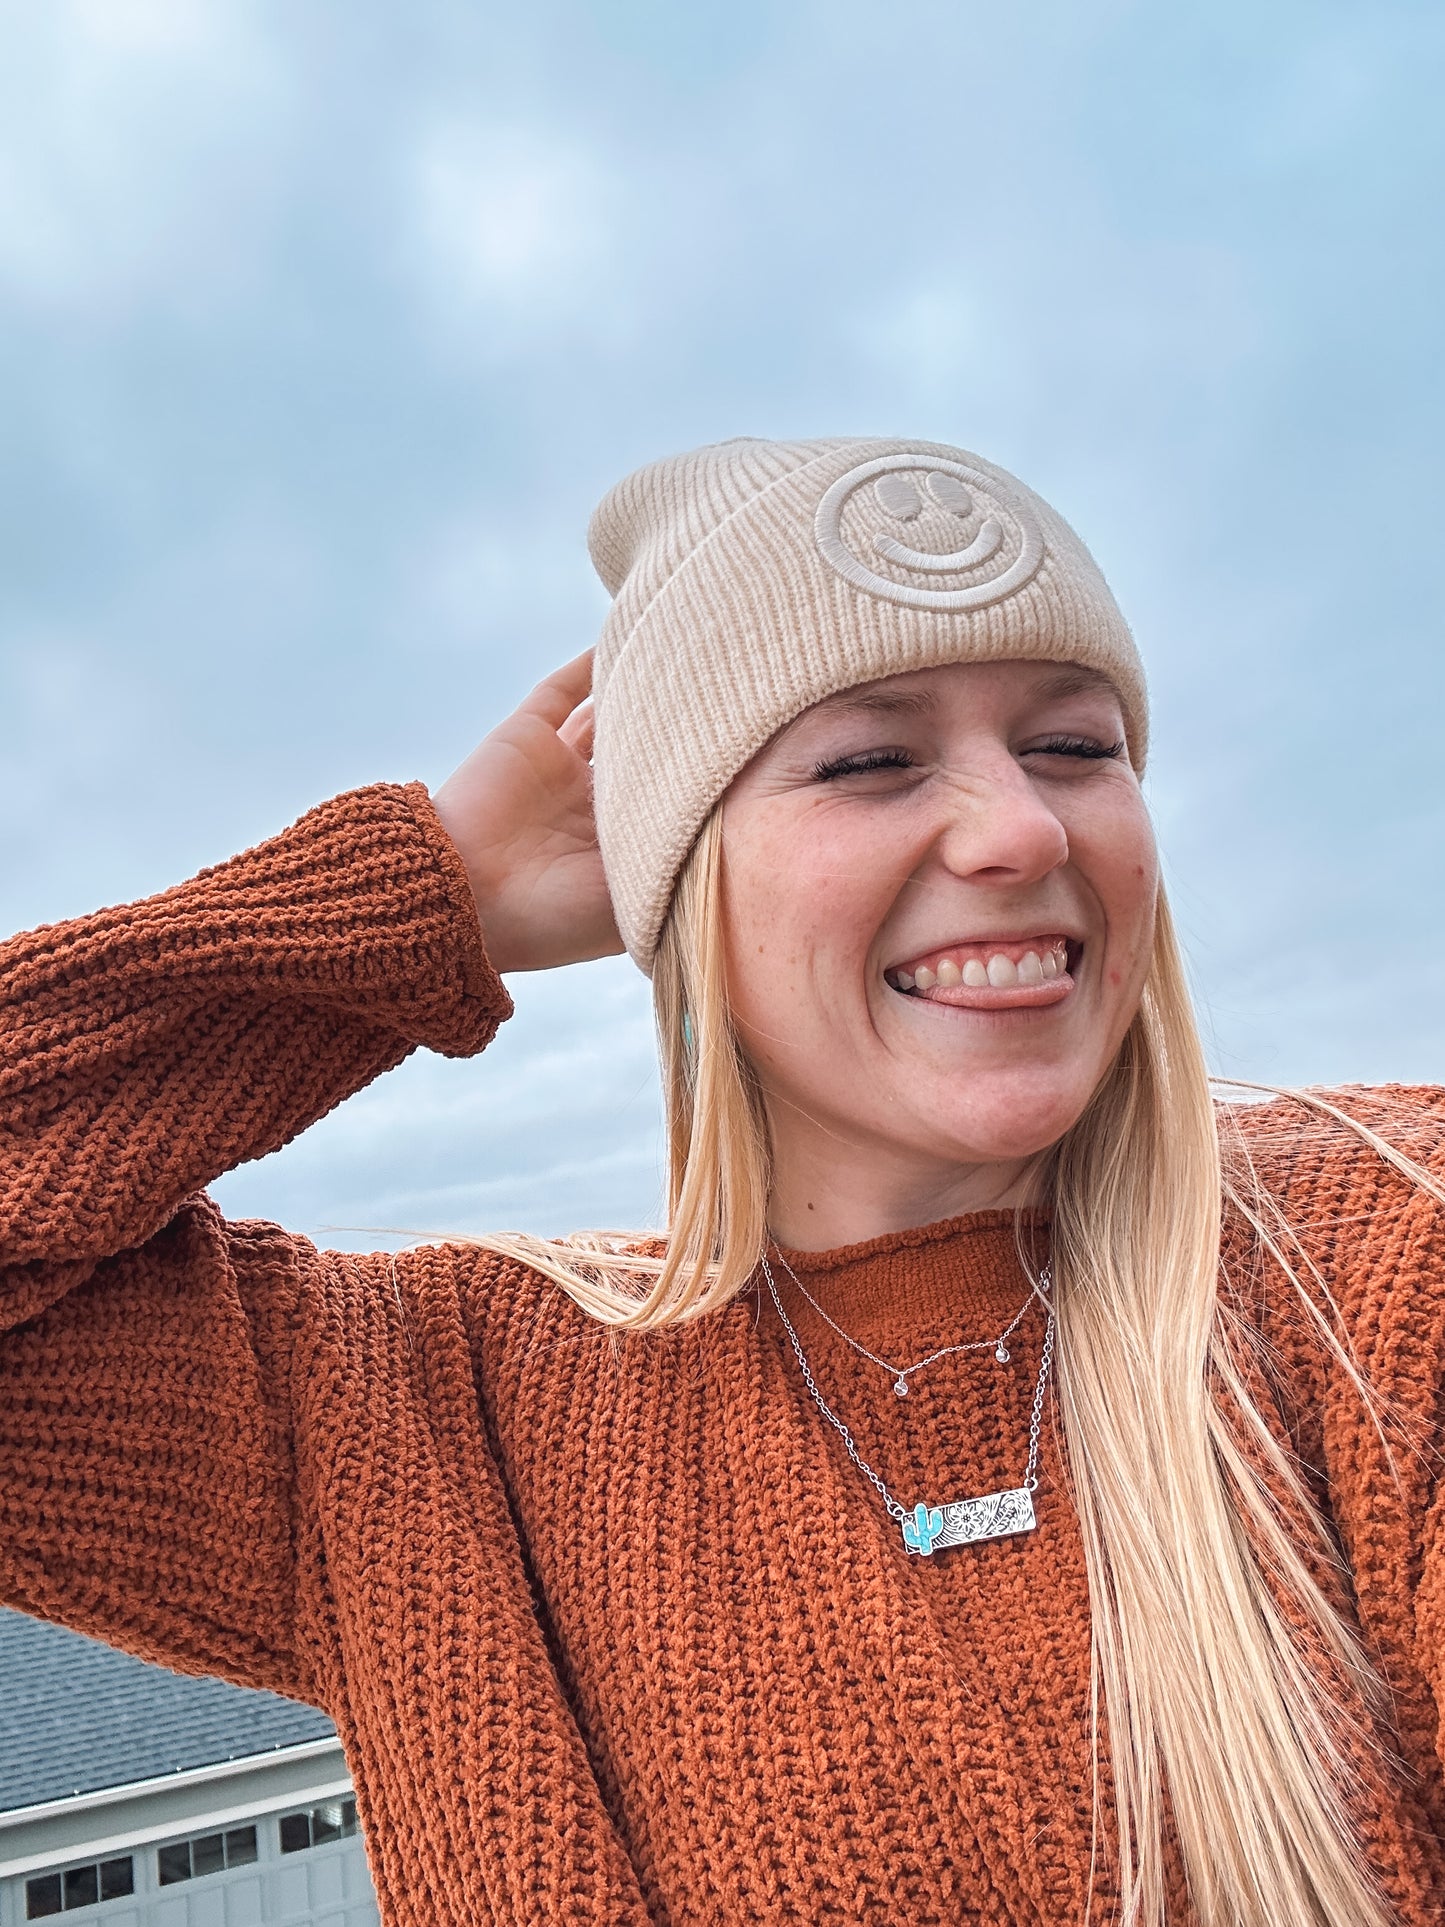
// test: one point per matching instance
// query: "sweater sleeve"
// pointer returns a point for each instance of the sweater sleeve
(146, 1346)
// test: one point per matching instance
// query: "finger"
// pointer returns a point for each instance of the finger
(578, 730)
(557, 695)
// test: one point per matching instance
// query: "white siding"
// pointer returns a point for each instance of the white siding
(327, 1885)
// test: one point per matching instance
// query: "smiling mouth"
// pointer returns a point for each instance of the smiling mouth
(966, 973)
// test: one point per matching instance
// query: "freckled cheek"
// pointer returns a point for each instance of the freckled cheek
(803, 909)
(1123, 872)
(795, 981)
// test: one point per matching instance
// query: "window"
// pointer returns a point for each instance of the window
(117, 1878)
(207, 1853)
(54, 1893)
(335, 1820)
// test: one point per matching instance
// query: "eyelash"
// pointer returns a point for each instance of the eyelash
(1084, 747)
(859, 765)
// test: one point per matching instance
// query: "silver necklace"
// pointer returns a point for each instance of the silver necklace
(900, 1374)
(960, 1522)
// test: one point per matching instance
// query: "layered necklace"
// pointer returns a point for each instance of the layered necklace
(930, 1528)
(900, 1374)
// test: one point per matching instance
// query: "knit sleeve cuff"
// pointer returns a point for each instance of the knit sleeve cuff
(480, 983)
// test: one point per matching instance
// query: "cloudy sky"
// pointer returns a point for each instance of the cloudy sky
(322, 327)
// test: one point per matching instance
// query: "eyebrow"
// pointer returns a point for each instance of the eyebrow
(1075, 680)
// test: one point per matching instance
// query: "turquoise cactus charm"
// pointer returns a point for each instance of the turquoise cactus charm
(993, 1515)
(922, 1527)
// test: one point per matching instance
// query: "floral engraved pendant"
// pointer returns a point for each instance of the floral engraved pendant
(933, 1528)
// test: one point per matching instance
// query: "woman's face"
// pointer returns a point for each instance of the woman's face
(940, 895)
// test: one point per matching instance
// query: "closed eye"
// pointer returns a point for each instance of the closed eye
(1086, 746)
(859, 765)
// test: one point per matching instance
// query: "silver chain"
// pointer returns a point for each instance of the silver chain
(897, 1512)
(900, 1374)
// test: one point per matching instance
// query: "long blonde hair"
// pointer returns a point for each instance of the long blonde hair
(1222, 1665)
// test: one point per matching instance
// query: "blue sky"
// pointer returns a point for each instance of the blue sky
(323, 326)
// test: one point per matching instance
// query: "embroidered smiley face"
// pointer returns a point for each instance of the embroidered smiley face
(928, 532)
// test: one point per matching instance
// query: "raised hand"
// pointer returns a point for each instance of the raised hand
(519, 810)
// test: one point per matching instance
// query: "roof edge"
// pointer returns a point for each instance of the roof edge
(182, 1777)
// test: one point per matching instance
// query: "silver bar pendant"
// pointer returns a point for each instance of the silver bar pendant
(933, 1528)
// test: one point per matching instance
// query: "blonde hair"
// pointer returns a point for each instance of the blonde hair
(1224, 1669)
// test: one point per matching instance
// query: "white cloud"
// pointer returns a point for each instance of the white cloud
(513, 224)
(64, 704)
(147, 26)
(140, 140)
(492, 571)
(928, 341)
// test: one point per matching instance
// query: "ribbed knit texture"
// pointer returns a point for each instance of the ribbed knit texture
(612, 1630)
(749, 583)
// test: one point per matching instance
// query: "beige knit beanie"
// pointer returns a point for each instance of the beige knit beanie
(751, 579)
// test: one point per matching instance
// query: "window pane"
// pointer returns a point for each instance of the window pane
(295, 1832)
(326, 1823)
(208, 1854)
(174, 1863)
(240, 1846)
(348, 1816)
(42, 1896)
(82, 1887)
(117, 1877)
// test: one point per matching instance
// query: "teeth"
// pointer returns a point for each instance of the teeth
(999, 972)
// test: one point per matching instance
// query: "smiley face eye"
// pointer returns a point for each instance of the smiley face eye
(898, 496)
(950, 494)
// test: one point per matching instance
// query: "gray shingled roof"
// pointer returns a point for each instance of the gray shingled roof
(76, 1716)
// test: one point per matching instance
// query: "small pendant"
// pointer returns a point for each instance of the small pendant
(900, 1385)
(1002, 1354)
(996, 1515)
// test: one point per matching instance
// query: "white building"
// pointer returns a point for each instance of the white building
(133, 1797)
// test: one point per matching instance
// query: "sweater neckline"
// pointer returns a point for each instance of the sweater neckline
(960, 1276)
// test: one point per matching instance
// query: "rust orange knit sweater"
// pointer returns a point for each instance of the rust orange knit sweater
(612, 1633)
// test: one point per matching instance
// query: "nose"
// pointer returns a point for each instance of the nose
(997, 828)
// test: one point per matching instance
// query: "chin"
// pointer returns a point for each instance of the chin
(1009, 1129)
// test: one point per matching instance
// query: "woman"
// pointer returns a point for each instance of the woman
(1008, 1493)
